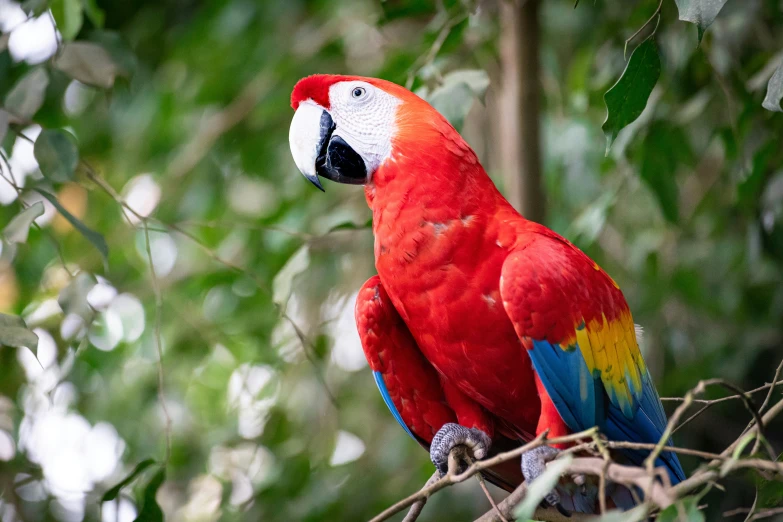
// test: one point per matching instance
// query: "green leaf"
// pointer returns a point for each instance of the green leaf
(729, 464)
(284, 280)
(476, 79)
(8, 253)
(14, 332)
(140, 467)
(150, 510)
(688, 505)
(627, 98)
(774, 91)
(68, 16)
(73, 298)
(637, 514)
(57, 155)
(35, 7)
(27, 96)
(539, 488)
(87, 62)
(665, 148)
(92, 236)
(747, 439)
(456, 96)
(700, 12)
(769, 493)
(17, 230)
(94, 13)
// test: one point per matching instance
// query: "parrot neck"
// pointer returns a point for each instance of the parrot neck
(447, 183)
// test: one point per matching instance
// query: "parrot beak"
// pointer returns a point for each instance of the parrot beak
(318, 151)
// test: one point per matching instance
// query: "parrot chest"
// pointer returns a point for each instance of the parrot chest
(443, 277)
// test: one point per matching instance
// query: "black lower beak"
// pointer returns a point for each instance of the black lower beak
(336, 159)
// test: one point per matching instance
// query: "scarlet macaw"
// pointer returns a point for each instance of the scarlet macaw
(481, 327)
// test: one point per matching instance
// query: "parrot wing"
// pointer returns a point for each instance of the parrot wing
(409, 384)
(576, 326)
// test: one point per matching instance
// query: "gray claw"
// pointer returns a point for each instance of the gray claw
(534, 464)
(451, 435)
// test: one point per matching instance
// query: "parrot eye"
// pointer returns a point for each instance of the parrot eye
(358, 92)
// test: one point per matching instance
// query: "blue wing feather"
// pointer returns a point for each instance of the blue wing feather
(583, 402)
(389, 403)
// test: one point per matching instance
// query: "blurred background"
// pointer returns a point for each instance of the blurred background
(159, 128)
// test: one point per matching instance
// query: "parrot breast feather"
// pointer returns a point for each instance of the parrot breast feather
(577, 328)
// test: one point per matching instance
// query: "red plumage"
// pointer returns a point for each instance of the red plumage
(316, 88)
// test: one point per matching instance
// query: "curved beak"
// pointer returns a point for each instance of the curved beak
(319, 151)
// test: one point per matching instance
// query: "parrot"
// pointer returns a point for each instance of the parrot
(481, 328)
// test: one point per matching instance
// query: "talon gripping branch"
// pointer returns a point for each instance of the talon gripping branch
(482, 328)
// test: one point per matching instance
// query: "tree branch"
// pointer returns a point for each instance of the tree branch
(654, 482)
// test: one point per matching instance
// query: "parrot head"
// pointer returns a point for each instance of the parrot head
(346, 127)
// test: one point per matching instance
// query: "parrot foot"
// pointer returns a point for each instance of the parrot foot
(451, 435)
(534, 464)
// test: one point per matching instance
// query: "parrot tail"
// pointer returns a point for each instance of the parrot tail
(577, 499)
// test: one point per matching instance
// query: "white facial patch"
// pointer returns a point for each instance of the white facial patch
(365, 119)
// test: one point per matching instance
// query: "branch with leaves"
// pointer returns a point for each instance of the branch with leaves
(593, 459)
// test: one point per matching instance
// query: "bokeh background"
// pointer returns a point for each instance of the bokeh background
(182, 115)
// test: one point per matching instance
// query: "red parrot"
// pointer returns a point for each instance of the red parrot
(481, 328)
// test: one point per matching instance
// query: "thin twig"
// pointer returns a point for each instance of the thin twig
(648, 22)
(710, 474)
(158, 342)
(483, 486)
(602, 478)
(767, 513)
(708, 403)
(751, 408)
(673, 420)
(771, 386)
(433, 51)
(418, 506)
(724, 399)
(251, 226)
(692, 417)
(766, 402)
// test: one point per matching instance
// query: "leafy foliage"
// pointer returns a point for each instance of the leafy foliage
(775, 91)
(27, 95)
(87, 62)
(626, 100)
(93, 237)
(18, 229)
(700, 12)
(13, 332)
(57, 155)
(687, 509)
(112, 493)
(69, 15)
(150, 509)
(455, 97)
